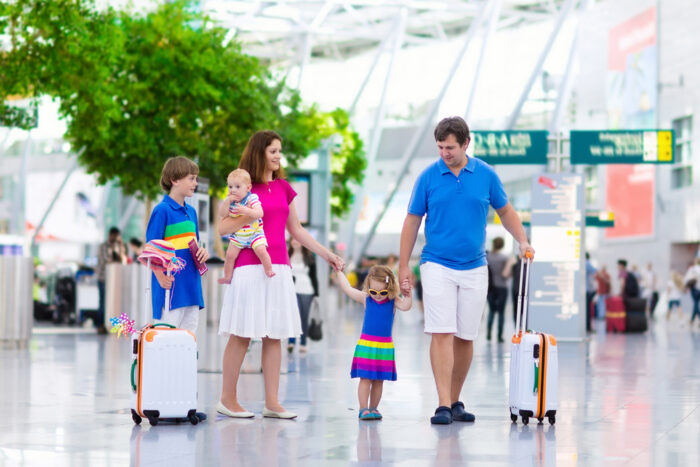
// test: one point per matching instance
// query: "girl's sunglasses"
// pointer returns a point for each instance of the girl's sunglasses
(381, 293)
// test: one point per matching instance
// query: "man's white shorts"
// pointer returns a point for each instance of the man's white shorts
(453, 300)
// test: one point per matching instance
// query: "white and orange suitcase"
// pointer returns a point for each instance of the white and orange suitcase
(534, 367)
(164, 372)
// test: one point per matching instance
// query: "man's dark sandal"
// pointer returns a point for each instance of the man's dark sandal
(443, 416)
(461, 415)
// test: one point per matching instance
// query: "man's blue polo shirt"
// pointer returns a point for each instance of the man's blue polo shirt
(455, 210)
(178, 225)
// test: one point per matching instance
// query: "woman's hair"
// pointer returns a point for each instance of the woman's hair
(253, 159)
(305, 253)
(677, 280)
(384, 275)
(176, 168)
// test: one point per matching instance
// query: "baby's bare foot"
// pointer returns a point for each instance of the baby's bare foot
(269, 272)
(224, 280)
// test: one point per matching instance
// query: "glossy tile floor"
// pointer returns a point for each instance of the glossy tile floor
(624, 400)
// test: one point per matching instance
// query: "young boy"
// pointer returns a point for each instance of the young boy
(240, 201)
(176, 221)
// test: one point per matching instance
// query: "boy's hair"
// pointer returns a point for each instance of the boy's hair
(241, 174)
(452, 126)
(622, 262)
(384, 275)
(253, 159)
(176, 168)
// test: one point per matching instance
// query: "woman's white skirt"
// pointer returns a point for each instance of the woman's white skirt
(259, 306)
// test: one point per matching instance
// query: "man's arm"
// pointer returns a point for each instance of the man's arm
(511, 221)
(409, 233)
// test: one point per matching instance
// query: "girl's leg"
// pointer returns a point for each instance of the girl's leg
(375, 395)
(233, 359)
(271, 362)
(231, 255)
(363, 390)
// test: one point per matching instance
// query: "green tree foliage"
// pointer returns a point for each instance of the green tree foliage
(136, 89)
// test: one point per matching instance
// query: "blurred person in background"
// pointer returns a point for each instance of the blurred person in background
(303, 265)
(113, 250)
(497, 295)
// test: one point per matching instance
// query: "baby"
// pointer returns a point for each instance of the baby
(240, 201)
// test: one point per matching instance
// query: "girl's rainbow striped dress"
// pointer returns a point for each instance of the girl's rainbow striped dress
(374, 353)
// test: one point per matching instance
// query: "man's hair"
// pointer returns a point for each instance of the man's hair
(497, 243)
(114, 231)
(253, 159)
(452, 126)
(622, 262)
(176, 168)
(588, 256)
(240, 174)
(136, 242)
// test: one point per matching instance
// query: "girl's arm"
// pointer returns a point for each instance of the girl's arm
(357, 295)
(404, 303)
(301, 235)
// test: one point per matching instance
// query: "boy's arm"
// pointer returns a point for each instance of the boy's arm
(356, 295)
(404, 303)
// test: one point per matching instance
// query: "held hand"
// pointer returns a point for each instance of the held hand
(202, 255)
(405, 280)
(165, 282)
(336, 262)
(527, 251)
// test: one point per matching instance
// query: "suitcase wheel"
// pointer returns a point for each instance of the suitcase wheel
(135, 417)
(153, 421)
(540, 419)
(513, 418)
(552, 420)
(194, 419)
(526, 420)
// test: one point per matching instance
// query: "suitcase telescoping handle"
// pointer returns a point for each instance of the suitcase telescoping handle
(523, 286)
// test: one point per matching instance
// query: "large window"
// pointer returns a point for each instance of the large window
(682, 171)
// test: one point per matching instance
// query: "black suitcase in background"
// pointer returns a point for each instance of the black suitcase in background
(636, 318)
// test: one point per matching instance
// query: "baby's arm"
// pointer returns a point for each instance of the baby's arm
(404, 303)
(256, 212)
(357, 295)
(223, 207)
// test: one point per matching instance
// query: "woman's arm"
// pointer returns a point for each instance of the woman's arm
(300, 234)
(223, 207)
(356, 295)
(404, 303)
(229, 225)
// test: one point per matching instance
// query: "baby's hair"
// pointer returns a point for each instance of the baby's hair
(176, 168)
(241, 174)
(385, 275)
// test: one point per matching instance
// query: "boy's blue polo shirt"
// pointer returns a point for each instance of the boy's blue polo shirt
(455, 210)
(178, 225)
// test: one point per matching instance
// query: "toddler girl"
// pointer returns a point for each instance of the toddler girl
(374, 354)
(240, 201)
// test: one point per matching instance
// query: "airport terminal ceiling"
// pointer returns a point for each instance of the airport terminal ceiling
(287, 32)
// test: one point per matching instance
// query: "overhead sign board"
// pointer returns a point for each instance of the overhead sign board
(510, 147)
(622, 147)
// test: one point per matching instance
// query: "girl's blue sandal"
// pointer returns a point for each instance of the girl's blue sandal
(365, 414)
(375, 414)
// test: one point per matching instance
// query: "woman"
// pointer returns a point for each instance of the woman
(305, 285)
(256, 305)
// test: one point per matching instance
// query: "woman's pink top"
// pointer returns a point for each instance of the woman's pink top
(275, 198)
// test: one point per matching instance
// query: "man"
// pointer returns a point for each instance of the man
(590, 289)
(629, 286)
(111, 251)
(454, 194)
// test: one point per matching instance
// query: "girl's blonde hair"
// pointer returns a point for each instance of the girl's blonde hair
(384, 275)
(677, 279)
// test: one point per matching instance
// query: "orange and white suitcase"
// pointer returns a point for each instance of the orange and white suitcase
(164, 373)
(534, 367)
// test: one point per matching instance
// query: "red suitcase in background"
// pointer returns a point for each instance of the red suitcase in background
(615, 314)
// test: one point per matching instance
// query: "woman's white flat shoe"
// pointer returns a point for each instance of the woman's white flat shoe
(270, 414)
(221, 408)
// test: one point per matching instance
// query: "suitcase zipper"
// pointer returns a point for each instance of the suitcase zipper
(542, 376)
